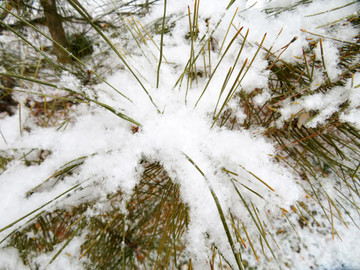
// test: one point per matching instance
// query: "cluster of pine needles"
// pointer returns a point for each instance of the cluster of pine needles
(146, 232)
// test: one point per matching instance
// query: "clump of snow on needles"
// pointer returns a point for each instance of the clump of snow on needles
(172, 137)
(68, 80)
(326, 104)
(180, 132)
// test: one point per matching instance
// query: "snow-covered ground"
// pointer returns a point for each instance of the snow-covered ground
(174, 129)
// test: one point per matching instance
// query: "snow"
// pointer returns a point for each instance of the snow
(68, 80)
(9, 258)
(68, 259)
(181, 131)
(326, 104)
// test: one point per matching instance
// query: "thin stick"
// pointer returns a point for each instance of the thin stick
(138, 30)
(161, 45)
(20, 125)
(2, 135)
(284, 49)
(251, 245)
(221, 213)
(227, 31)
(217, 65)
(327, 37)
(323, 60)
(326, 11)
(152, 40)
